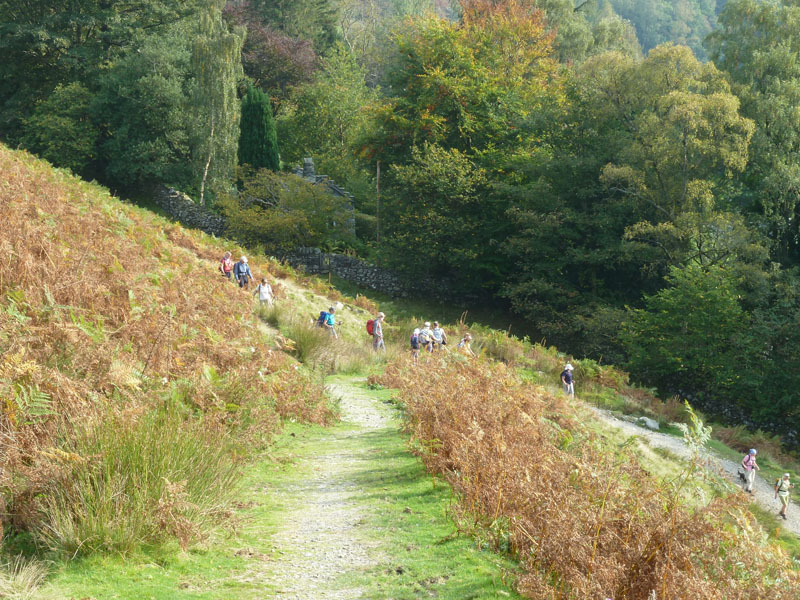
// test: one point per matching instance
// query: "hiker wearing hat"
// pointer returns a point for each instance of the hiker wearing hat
(464, 345)
(242, 273)
(750, 468)
(782, 488)
(426, 337)
(567, 381)
(264, 292)
(377, 333)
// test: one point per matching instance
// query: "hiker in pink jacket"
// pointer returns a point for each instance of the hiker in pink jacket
(750, 468)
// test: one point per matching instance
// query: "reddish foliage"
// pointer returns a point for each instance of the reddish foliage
(275, 61)
(585, 519)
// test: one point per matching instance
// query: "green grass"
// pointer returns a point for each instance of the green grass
(136, 482)
(406, 527)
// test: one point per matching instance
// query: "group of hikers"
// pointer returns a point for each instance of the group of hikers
(433, 338)
(782, 486)
(240, 273)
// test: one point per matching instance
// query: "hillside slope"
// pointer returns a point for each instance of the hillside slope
(131, 373)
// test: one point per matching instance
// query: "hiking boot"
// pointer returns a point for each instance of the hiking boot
(783, 515)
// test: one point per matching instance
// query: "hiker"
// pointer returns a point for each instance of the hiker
(264, 291)
(782, 488)
(464, 345)
(327, 320)
(426, 337)
(415, 346)
(567, 381)
(377, 333)
(226, 265)
(750, 468)
(439, 336)
(242, 273)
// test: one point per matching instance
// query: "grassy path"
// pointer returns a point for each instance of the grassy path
(338, 513)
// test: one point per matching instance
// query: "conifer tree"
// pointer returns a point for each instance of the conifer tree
(258, 142)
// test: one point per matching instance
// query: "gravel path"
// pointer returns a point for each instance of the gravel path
(320, 541)
(763, 492)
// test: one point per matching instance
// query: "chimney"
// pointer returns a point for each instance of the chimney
(308, 168)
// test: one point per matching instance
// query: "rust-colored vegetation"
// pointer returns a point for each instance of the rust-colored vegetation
(581, 514)
(115, 329)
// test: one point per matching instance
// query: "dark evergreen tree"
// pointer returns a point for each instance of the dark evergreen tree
(258, 142)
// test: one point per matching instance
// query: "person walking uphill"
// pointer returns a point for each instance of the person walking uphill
(782, 488)
(242, 273)
(567, 381)
(327, 320)
(750, 468)
(377, 333)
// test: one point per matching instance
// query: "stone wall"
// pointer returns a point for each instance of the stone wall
(312, 260)
(349, 268)
(187, 212)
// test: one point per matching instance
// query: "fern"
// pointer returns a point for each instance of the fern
(33, 404)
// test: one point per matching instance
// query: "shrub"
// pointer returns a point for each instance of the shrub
(308, 339)
(128, 481)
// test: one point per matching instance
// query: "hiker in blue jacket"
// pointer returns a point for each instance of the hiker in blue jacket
(330, 321)
(242, 273)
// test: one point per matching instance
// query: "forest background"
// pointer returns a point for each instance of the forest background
(622, 174)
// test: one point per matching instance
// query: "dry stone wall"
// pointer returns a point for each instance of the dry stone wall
(312, 260)
(349, 268)
(187, 212)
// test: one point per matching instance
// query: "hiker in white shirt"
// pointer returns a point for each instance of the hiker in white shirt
(264, 291)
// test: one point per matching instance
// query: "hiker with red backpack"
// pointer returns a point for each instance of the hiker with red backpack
(375, 328)
(226, 265)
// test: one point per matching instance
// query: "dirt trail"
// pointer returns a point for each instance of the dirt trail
(320, 541)
(762, 490)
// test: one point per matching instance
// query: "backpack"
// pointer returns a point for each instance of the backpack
(423, 337)
(414, 340)
(371, 326)
(323, 316)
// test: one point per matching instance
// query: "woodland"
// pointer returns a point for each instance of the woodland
(624, 175)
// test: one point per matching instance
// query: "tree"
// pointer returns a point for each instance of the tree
(143, 106)
(635, 179)
(61, 128)
(758, 43)
(690, 335)
(272, 59)
(48, 42)
(465, 100)
(326, 117)
(313, 20)
(217, 68)
(281, 212)
(258, 142)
